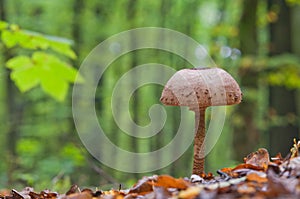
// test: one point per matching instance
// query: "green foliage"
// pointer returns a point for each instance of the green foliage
(53, 74)
(288, 76)
(45, 68)
(293, 2)
(279, 70)
(73, 154)
(24, 73)
(3, 25)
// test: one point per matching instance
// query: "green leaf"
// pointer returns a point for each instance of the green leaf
(63, 48)
(19, 62)
(73, 153)
(64, 70)
(287, 76)
(57, 88)
(24, 73)
(293, 2)
(282, 60)
(8, 38)
(28, 147)
(25, 79)
(46, 70)
(14, 27)
(58, 67)
(3, 25)
(53, 76)
(32, 41)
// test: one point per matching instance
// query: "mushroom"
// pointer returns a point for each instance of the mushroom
(199, 88)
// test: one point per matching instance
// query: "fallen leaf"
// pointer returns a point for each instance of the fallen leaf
(246, 189)
(113, 194)
(73, 189)
(255, 177)
(142, 187)
(83, 195)
(277, 159)
(190, 193)
(259, 158)
(248, 166)
(170, 182)
(207, 176)
(228, 172)
(291, 167)
(275, 186)
(161, 193)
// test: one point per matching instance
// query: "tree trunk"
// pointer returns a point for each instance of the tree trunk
(246, 136)
(76, 32)
(14, 111)
(131, 15)
(282, 100)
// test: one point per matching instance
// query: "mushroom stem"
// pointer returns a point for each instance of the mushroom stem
(199, 151)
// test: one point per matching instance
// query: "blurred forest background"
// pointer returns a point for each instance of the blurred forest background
(256, 41)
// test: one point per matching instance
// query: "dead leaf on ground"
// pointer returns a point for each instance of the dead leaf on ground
(259, 158)
(256, 178)
(170, 182)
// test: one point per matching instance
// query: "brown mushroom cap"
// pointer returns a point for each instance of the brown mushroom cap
(201, 88)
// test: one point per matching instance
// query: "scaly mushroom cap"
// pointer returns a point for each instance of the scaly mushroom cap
(201, 88)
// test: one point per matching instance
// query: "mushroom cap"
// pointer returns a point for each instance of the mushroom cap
(201, 88)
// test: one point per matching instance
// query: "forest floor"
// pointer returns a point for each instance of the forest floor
(258, 177)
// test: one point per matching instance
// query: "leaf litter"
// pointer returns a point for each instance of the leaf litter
(258, 177)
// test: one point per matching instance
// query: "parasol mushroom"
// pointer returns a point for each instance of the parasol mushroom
(199, 88)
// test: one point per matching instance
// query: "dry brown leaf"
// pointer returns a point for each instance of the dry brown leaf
(277, 186)
(229, 172)
(131, 196)
(142, 187)
(246, 189)
(207, 176)
(248, 166)
(161, 192)
(277, 159)
(226, 170)
(73, 189)
(190, 193)
(256, 178)
(83, 195)
(170, 182)
(259, 158)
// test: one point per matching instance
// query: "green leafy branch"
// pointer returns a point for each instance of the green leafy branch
(279, 70)
(45, 66)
